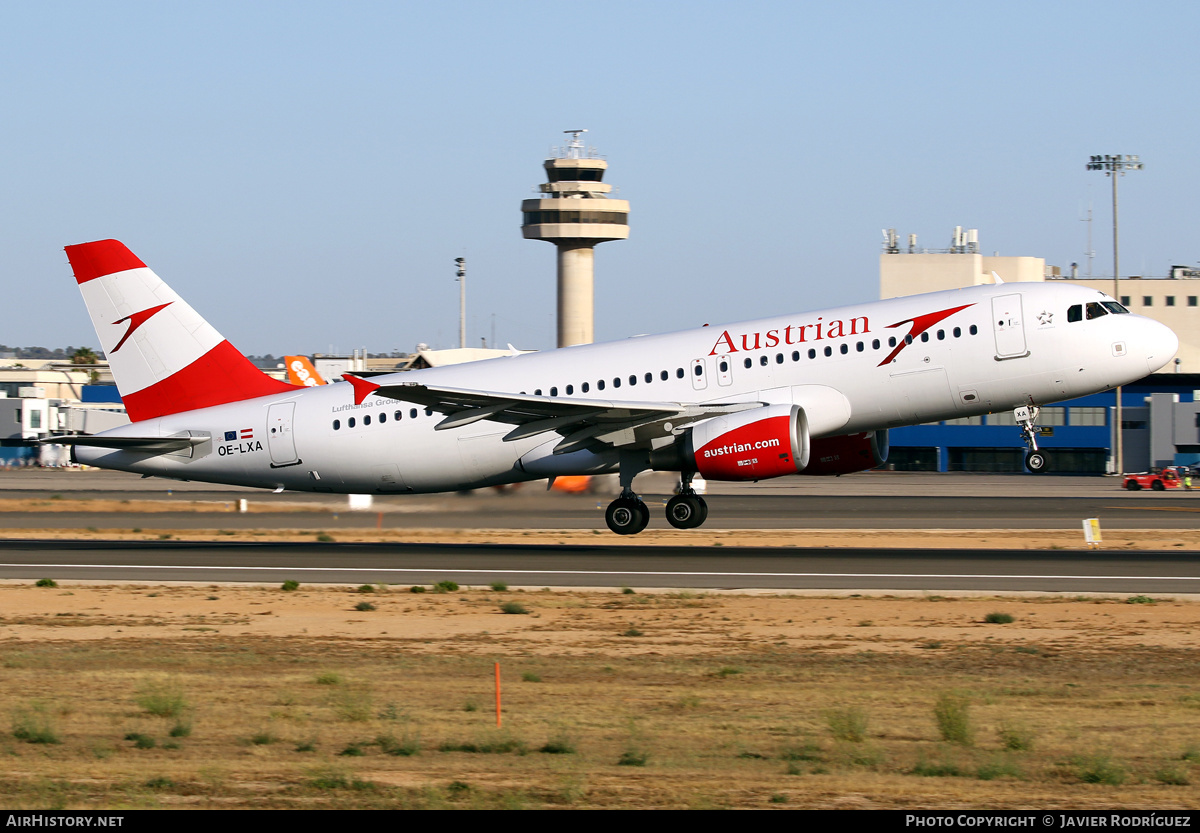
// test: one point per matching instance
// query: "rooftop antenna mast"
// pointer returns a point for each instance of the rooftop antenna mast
(460, 272)
(576, 149)
(1091, 253)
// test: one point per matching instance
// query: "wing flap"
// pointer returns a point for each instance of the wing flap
(582, 422)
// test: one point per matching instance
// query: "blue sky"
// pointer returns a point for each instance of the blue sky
(305, 173)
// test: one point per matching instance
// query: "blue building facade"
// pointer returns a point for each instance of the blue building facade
(1161, 427)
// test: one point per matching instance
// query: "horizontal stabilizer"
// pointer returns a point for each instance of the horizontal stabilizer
(129, 443)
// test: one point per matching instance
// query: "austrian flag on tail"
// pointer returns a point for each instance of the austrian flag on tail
(164, 356)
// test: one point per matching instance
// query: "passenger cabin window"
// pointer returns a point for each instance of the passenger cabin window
(1075, 313)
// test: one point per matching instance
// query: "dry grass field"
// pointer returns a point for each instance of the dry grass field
(181, 696)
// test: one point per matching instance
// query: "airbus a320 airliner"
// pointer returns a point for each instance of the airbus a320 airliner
(812, 393)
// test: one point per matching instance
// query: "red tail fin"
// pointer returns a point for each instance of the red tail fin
(164, 356)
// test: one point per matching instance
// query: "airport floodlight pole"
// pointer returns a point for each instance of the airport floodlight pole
(461, 272)
(1115, 166)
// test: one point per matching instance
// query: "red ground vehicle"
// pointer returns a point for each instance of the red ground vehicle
(1169, 478)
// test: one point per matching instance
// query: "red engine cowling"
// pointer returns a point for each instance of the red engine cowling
(751, 445)
(849, 453)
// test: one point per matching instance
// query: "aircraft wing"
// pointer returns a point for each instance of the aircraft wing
(581, 422)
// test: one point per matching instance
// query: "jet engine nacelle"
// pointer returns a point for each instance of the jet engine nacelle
(751, 445)
(848, 453)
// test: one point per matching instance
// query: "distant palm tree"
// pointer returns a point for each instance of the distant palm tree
(84, 355)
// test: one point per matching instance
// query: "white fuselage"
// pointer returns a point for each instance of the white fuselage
(993, 348)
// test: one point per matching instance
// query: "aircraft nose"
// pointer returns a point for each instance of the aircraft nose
(1161, 345)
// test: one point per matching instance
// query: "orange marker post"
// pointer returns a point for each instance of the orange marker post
(497, 695)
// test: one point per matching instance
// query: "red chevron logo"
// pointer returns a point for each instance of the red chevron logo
(919, 325)
(136, 320)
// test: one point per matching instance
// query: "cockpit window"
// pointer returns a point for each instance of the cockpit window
(1075, 313)
(1095, 310)
(1115, 308)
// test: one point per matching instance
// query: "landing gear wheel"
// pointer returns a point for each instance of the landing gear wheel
(1035, 461)
(686, 511)
(627, 516)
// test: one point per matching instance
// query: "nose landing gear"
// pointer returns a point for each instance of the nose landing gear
(1035, 460)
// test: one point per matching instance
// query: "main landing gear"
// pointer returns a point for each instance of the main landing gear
(629, 515)
(1035, 460)
(687, 510)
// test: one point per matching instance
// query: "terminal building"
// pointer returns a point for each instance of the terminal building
(1161, 413)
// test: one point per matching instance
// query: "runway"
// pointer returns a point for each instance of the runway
(701, 568)
(880, 501)
(884, 500)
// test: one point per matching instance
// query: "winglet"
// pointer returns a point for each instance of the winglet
(997, 279)
(362, 387)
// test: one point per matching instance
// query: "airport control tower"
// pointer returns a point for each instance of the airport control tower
(575, 215)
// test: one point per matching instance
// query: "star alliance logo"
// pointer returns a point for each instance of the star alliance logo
(1045, 318)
